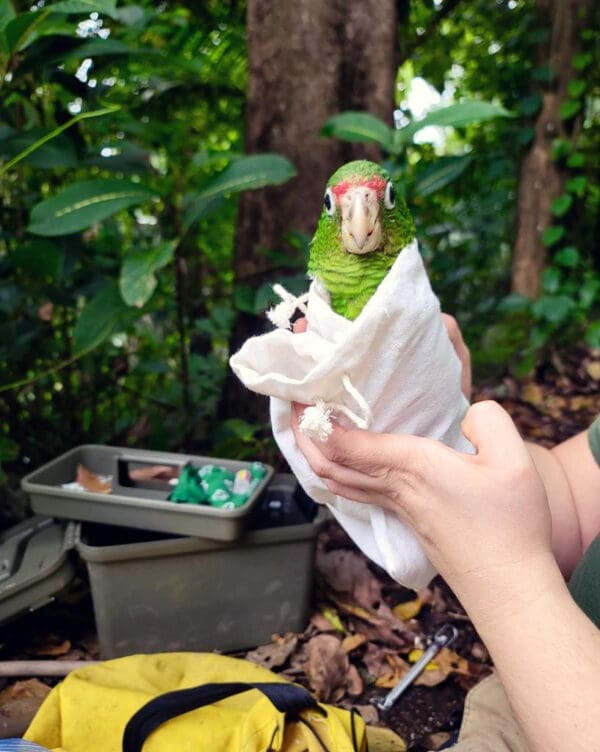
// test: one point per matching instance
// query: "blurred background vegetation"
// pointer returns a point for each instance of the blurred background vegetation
(162, 163)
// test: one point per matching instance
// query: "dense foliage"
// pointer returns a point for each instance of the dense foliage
(120, 157)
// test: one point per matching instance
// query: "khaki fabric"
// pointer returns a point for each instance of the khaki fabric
(488, 723)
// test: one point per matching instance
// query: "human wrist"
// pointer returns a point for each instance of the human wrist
(491, 595)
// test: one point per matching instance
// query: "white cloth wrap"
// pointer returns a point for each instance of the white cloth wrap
(397, 354)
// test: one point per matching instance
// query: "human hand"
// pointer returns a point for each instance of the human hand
(462, 352)
(477, 516)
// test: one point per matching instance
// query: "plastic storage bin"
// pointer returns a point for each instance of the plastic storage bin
(35, 563)
(138, 504)
(152, 593)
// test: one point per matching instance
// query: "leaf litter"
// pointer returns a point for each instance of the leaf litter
(365, 630)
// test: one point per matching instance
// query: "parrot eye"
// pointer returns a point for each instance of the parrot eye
(389, 197)
(329, 203)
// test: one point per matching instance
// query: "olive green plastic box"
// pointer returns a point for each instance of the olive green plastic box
(134, 503)
(154, 594)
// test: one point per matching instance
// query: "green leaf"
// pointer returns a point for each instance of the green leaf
(9, 449)
(103, 7)
(443, 172)
(244, 297)
(53, 134)
(457, 115)
(18, 31)
(7, 13)
(582, 60)
(39, 259)
(99, 47)
(569, 108)
(545, 73)
(551, 279)
(82, 204)
(553, 308)
(568, 256)
(561, 205)
(592, 335)
(514, 303)
(576, 88)
(530, 105)
(137, 281)
(577, 185)
(561, 147)
(588, 291)
(56, 152)
(98, 319)
(576, 160)
(552, 235)
(247, 173)
(360, 127)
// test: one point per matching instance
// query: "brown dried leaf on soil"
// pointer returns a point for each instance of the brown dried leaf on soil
(347, 572)
(19, 702)
(51, 647)
(276, 653)
(327, 667)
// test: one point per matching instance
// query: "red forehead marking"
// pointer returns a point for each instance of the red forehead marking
(376, 184)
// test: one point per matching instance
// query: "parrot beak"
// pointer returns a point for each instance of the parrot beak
(361, 226)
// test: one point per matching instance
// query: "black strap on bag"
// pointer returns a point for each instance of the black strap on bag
(287, 698)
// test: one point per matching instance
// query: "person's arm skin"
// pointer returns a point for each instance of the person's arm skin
(485, 523)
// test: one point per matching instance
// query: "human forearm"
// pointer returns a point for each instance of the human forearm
(546, 651)
(566, 534)
(571, 477)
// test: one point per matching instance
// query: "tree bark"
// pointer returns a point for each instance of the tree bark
(308, 60)
(541, 179)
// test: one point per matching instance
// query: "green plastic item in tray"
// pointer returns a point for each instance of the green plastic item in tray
(216, 486)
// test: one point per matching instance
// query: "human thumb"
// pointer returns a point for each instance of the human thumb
(492, 432)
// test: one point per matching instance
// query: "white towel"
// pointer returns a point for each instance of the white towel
(393, 367)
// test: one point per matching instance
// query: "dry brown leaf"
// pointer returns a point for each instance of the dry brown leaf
(398, 668)
(446, 662)
(92, 482)
(593, 370)
(274, 654)
(347, 571)
(408, 609)
(51, 648)
(353, 641)
(354, 682)
(322, 623)
(384, 740)
(435, 741)
(327, 667)
(19, 702)
(368, 713)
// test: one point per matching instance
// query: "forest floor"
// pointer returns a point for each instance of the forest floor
(365, 630)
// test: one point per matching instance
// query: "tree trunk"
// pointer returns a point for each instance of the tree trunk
(308, 60)
(541, 179)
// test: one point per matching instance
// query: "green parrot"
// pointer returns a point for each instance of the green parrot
(361, 231)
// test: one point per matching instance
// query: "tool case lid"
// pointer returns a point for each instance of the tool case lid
(35, 563)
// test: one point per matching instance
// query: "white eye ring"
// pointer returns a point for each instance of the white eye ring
(389, 197)
(329, 203)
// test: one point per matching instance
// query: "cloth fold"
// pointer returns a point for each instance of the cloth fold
(398, 359)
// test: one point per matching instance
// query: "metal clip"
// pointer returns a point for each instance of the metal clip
(441, 639)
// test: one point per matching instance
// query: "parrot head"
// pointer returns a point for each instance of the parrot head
(363, 227)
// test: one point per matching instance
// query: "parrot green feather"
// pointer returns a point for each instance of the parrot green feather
(351, 278)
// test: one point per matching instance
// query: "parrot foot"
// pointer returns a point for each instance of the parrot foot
(281, 315)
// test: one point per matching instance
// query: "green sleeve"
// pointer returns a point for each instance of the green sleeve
(594, 439)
